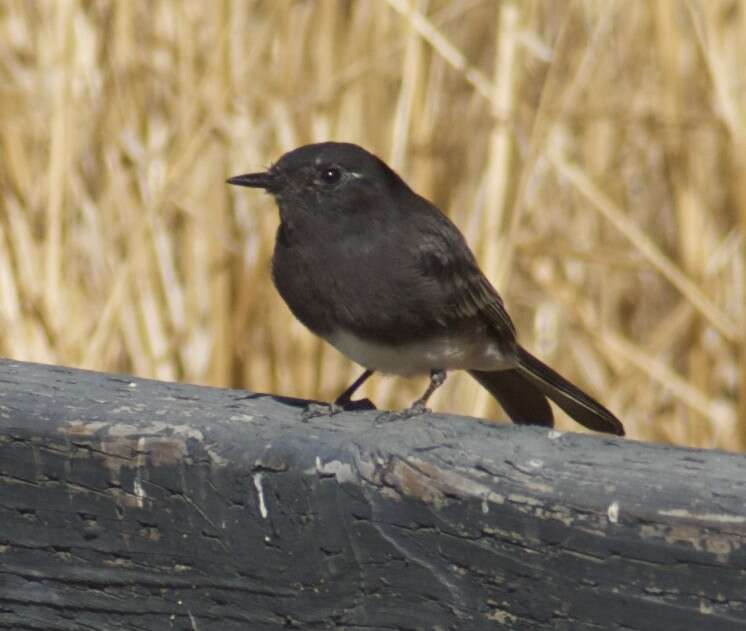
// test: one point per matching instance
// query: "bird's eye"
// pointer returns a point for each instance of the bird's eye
(330, 175)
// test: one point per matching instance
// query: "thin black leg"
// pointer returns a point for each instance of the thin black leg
(345, 399)
(342, 403)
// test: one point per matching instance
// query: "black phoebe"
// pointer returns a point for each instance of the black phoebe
(388, 280)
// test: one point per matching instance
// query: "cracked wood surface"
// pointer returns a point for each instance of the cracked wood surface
(135, 504)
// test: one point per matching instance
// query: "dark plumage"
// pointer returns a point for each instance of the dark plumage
(387, 278)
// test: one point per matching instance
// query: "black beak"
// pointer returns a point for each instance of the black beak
(254, 180)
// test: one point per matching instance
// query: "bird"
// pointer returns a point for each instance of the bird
(386, 278)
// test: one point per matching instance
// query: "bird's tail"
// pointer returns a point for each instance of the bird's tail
(522, 401)
(521, 392)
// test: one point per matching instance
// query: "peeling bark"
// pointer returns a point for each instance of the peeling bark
(134, 504)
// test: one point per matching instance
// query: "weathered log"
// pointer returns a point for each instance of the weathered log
(135, 504)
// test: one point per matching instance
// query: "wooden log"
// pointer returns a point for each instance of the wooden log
(135, 504)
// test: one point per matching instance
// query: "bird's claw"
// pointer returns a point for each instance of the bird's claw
(416, 409)
(387, 417)
(314, 410)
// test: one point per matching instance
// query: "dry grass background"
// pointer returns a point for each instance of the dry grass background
(593, 153)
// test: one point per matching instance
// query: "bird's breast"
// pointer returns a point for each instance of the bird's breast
(303, 282)
(327, 277)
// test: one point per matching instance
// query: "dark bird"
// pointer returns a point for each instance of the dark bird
(388, 280)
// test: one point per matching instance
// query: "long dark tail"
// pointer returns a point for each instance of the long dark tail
(521, 400)
(521, 392)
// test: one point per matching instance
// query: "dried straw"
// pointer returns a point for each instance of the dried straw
(592, 152)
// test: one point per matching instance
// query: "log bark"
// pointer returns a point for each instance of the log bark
(135, 504)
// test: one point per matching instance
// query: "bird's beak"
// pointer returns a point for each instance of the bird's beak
(254, 180)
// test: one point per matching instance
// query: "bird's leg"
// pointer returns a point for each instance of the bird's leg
(345, 401)
(342, 402)
(437, 378)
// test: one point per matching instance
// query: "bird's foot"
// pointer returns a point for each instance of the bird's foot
(416, 409)
(387, 417)
(314, 410)
(419, 407)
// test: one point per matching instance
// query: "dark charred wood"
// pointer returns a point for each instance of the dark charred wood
(134, 504)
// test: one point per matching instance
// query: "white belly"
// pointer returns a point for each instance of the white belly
(446, 353)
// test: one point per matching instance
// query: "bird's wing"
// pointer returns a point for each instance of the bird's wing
(447, 263)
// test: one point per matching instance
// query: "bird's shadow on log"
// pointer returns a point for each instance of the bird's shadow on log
(290, 401)
(358, 405)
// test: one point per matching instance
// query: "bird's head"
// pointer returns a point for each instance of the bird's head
(326, 178)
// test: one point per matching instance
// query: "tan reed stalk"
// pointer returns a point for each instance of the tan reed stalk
(592, 152)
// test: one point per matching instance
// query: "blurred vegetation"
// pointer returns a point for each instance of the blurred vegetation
(592, 152)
